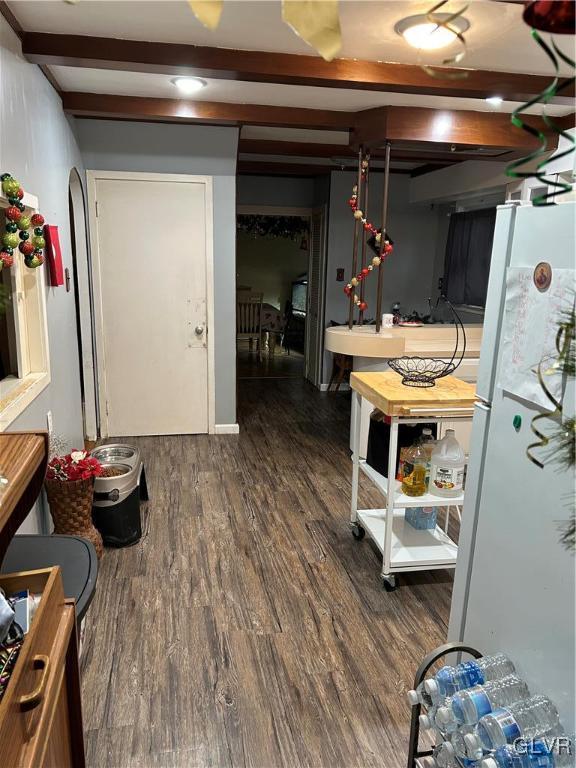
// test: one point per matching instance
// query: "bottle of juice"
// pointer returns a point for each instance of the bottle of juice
(414, 471)
(427, 442)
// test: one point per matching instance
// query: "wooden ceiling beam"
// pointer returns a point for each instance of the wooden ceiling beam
(268, 168)
(459, 127)
(271, 67)
(203, 112)
(416, 154)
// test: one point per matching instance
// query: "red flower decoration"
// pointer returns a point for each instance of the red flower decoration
(13, 213)
(77, 465)
(37, 220)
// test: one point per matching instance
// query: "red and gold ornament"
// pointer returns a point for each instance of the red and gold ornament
(18, 221)
(349, 289)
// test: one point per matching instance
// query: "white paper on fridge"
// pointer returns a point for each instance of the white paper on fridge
(531, 321)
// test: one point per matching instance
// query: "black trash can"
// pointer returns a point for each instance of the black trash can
(117, 494)
(379, 440)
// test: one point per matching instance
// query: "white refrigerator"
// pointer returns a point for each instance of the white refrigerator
(514, 588)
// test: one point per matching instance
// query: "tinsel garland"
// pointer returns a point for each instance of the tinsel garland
(290, 227)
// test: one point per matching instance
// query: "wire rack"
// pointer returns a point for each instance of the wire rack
(424, 371)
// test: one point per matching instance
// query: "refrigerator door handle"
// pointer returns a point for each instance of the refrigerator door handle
(484, 405)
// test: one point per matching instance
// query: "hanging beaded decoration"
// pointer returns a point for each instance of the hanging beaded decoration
(375, 240)
(17, 226)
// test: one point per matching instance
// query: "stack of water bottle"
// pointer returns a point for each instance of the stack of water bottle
(484, 716)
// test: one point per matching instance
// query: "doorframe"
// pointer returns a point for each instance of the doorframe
(307, 213)
(82, 266)
(92, 177)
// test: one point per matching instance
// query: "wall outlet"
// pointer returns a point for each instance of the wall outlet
(50, 424)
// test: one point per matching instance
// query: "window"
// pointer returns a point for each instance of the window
(24, 362)
(468, 254)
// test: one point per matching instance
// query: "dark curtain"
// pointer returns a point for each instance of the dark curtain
(468, 253)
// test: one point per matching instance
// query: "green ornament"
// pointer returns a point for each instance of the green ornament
(38, 241)
(20, 206)
(9, 250)
(10, 187)
(33, 262)
(13, 200)
(38, 231)
(24, 235)
(10, 240)
(11, 227)
(5, 176)
(24, 222)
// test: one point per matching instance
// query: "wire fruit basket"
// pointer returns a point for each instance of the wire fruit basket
(423, 371)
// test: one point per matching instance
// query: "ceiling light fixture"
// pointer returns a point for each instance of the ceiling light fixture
(494, 101)
(421, 33)
(188, 85)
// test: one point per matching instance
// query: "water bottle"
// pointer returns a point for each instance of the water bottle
(469, 705)
(449, 680)
(548, 752)
(445, 756)
(527, 719)
(428, 720)
(419, 696)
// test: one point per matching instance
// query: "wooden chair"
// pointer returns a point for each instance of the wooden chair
(249, 318)
(341, 369)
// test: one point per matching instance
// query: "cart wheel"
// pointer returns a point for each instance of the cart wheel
(358, 532)
(389, 583)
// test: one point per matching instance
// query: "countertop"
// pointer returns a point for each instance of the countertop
(427, 341)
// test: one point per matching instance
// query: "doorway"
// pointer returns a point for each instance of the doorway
(280, 263)
(153, 289)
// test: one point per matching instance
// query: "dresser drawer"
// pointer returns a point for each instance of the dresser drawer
(27, 693)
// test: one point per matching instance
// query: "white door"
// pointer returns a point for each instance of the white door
(315, 309)
(151, 277)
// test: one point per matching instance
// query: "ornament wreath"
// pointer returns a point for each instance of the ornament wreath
(17, 226)
(349, 288)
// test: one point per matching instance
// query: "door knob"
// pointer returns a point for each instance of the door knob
(199, 330)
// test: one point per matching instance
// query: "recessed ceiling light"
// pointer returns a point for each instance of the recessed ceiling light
(420, 32)
(188, 85)
(494, 101)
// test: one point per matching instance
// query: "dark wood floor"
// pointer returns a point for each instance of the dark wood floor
(280, 365)
(248, 628)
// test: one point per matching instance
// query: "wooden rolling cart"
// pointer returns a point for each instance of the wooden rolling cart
(40, 713)
(403, 547)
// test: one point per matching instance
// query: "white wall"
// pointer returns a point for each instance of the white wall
(270, 265)
(408, 272)
(204, 150)
(38, 147)
(280, 191)
(455, 181)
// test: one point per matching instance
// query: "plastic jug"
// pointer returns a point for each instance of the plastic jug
(447, 465)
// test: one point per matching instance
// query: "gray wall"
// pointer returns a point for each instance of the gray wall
(408, 272)
(202, 150)
(38, 147)
(287, 191)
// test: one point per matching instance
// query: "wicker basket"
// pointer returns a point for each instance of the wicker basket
(71, 509)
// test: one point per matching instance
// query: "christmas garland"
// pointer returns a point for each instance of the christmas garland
(261, 225)
(349, 288)
(17, 226)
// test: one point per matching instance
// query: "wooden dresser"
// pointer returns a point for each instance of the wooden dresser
(40, 713)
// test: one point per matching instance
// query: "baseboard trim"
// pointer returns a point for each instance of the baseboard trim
(226, 429)
(343, 387)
